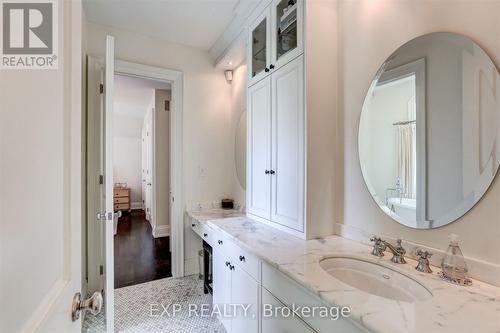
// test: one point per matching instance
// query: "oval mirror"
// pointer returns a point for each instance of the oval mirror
(240, 150)
(429, 132)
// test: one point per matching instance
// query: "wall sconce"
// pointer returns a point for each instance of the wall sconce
(229, 75)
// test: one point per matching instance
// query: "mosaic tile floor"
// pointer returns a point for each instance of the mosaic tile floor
(138, 308)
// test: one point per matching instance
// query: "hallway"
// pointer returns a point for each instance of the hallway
(139, 257)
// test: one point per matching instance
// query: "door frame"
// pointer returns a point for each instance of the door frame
(175, 78)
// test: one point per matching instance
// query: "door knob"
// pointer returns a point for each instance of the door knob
(94, 304)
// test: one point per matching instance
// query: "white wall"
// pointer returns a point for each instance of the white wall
(127, 150)
(369, 32)
(206, 117)
(238, 106)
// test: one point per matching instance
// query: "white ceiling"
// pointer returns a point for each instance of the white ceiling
(197, 23)
(131, 99)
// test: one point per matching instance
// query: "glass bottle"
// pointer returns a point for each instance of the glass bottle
(453, 264)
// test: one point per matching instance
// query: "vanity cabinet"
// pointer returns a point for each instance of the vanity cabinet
(275, 38)
(233, 286)
(276, 147)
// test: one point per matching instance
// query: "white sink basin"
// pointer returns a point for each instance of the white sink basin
(375, 279)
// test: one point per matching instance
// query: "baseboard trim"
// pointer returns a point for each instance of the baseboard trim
(478, 269)
(161, 231)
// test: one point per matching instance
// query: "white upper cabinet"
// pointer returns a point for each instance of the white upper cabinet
(288, 158)
(259, 51)
(259, 149)
(275, 38)
(287, 32)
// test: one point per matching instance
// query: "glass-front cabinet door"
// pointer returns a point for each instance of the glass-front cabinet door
(259, 47)
(287, 31)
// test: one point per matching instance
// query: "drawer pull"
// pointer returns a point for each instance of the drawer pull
(242, 258)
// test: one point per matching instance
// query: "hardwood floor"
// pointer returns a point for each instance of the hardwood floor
(139, 257)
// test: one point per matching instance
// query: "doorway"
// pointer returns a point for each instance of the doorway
(165, 200)
(141, 163)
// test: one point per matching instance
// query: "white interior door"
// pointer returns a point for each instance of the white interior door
(109, 284)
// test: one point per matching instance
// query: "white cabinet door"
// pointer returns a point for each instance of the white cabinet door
(244, 291)
(287, 31)
(221, 276)
(288, 140)
(259, 47)
(259, 149)
(274, 322)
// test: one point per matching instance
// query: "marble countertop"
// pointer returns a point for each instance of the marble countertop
(452, 308)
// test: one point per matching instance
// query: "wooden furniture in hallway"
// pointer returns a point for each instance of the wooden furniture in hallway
(121, 199)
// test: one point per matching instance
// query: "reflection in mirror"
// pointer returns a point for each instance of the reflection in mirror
(429, 132)
(240, 150)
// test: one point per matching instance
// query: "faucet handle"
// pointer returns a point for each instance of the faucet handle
(400, 247)
(378, 247)
(424, 254)
(423, 261)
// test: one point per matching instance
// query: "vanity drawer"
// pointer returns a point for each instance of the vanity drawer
(221, 243)
(207, 234)
(280, 323)
(195, 225)
(290, 292)
(247, 261)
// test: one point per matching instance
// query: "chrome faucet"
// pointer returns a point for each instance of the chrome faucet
(380, 245)
(398, 189)
(398, 252)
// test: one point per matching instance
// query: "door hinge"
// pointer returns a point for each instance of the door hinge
(101, 270)
(101, 88)
(101, 179)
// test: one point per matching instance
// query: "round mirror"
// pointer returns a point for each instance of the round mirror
(240, 150)
(429, 132)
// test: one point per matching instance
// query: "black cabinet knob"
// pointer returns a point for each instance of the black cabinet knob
(205, 235)
(272, 172)
(227, 263)
(271, 66)
(267, 172)
(266, 70)
(220, 242)
(242, 258)
(193, 225)
(231, 267)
